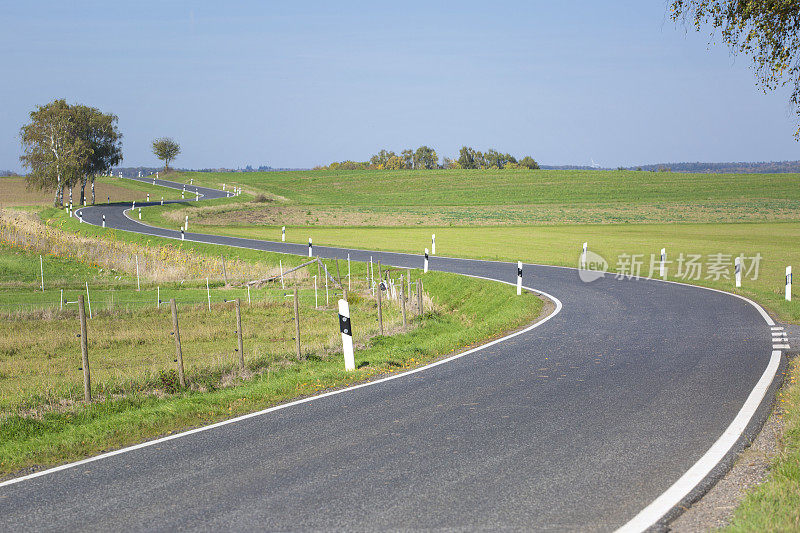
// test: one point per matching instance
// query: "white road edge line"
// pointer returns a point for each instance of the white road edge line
(651, 514)
(686, 483)
(106, 455)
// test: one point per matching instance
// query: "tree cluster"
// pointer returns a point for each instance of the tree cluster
(65, 145)
(470, 158)
(426, 158)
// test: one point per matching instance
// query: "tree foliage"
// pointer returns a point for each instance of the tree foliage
(766, 30)
(166, 149)
(105, 140)
(54, 151)
(426, 158)
(529, 163)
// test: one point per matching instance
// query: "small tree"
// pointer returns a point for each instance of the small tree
(529, 162)
(166, 149)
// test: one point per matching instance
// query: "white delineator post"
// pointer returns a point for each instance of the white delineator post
(148, 197)
(186, 222)
(156, 174)
(140, 213)
(738, 270)
(80, 216)
(104, 221)
(425, 262)
(88, 300)
(583, 255)
(310, 248)
(138, 286)
(183, 235)
(433, 244)
(662, 266)
(162, 200)
(283, 234)
(789, 284)
(347, 335)
(519, 278)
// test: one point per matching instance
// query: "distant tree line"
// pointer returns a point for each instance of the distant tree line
(770, 167)
(426, 158)
(65, 145)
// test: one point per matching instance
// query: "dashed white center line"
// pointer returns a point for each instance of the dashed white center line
(780, 346)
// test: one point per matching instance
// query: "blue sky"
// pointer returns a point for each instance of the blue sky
(294, 84)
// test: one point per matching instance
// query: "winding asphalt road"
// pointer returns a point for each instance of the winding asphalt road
(577, 424)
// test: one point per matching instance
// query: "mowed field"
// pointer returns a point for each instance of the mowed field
(621, 214)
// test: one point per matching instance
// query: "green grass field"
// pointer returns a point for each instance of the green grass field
(544, 217)
(560, 243)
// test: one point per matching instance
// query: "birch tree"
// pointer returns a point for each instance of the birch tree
(53, 149)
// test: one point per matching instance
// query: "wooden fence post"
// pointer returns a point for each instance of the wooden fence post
(176, 332)
(297, 323)
(380, 308)
(87, 381)
(239, 333)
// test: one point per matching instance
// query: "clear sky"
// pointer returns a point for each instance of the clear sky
(298, 83)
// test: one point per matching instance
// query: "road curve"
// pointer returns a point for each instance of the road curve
(578, 424)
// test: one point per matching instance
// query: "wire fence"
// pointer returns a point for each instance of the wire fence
(130, 335)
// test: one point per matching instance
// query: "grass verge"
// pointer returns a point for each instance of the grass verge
(144, 405)
(775, 504)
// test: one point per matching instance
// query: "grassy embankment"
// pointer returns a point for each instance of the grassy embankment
(43, 420)
(543, 217)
